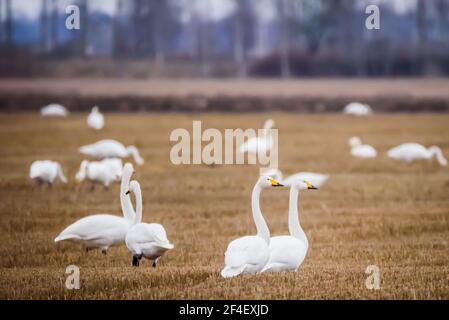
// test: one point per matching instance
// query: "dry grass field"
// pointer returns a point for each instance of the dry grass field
(380, 212)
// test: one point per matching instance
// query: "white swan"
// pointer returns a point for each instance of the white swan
(95, 119)
(361, 150)
(410, 152)
(288, 252)
(148, 240)
(111, 149)
(251, 253)
(46, 171)
(260, 144)
(316, 179)
(54, 110)
(105, 171)
(358, 109)
(103, 230)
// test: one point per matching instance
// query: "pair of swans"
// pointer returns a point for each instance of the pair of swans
(111, 149)
(95, 119)
(360, 150)
(54, 110)
(358, 109)
(104, 230)
(407, 152)
(46, 171)
(262, 144)
(316, 179)
(260, 253)
(104, 171)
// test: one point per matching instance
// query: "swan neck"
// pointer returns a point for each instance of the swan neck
(135, 154)
(261, 225)
(293, 217)
(436, 151)
(125, 200)
(138, 195)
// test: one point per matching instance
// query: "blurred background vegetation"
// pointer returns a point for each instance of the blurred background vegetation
(224, 38)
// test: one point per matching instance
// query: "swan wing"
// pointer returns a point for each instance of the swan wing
(247, 253)
(286, 253)
(95, 226)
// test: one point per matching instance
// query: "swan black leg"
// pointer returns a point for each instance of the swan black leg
(136, 259)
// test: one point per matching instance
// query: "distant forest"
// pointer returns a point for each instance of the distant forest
(256, 38)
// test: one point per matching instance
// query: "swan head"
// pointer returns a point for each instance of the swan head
(355, 141)
(95, 109)
(128, 169)
(268, 124)
(275, 173)
(268, 182)
(133, 187)
(303, 185)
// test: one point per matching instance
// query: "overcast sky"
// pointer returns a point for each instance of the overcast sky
(216, 9)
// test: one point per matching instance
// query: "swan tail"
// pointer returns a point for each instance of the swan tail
(61, 174)
(229, 271)
(63, 237)
(167, 246)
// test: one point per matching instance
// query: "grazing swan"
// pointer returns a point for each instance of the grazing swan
(105, 171)
(103, 230)
(361, 150)
(54, 110)
(358, 109)
(288, 252)
(316, 179)
(410, 152)
(251, 253)
(95, 119)
(148, 240)
(111, 149)
(260, 144)
(46, 171)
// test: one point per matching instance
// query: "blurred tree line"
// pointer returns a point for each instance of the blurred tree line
(286, 38)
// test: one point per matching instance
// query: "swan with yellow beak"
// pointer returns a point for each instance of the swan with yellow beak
(251, 253)
(288, 252)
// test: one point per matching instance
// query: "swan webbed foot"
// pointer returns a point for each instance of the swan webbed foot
(136, 259)
(92, 187)
(104, 251)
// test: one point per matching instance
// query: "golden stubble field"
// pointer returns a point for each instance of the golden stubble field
(371, 212)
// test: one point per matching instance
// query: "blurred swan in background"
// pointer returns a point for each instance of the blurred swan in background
(95, 119)
(147, 240)
(103, 230)
(104, 171)
(54, 110)
(111, 149)
(316, 179)
(288, 252)
(361, 150)
(251, 253)
(46, 171)
(260, 144)
(358, 109)
(410, 152)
